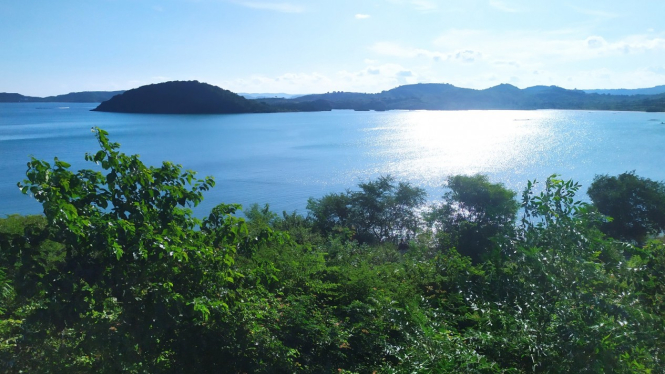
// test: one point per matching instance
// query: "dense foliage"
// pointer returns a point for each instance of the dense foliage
(181, 97)
(118, 275)
(636, 205)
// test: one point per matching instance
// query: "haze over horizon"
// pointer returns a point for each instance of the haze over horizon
(296, 46)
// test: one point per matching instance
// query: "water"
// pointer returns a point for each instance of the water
(285, 158)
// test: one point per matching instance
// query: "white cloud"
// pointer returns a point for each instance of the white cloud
(473, 58)
(373, 78)
(466, 56)
(277, 7)
(543, 48)
(362, 16)
(596, 42)
(396, 50)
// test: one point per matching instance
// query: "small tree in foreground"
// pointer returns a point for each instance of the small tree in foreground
(139, 274)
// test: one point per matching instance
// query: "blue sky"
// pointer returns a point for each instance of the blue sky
(296, 46)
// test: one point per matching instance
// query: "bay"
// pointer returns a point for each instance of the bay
(285, 158)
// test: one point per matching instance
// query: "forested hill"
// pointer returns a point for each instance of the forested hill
(193, 97)
(434, 96)
(181, 97)
(72, 97)
(630, 91)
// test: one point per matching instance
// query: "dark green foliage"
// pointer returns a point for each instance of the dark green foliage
(565, 310)
(181, 97)
(381, 211)
(475, 216)
(136, 276)
(331, 212)
(118, 276)
(636, 205)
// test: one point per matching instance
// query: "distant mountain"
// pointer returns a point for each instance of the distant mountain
(434, 96)
(195, 97)
(83, 97)
(636, 91)
(6, 97)
(73, 97)
(268, 95)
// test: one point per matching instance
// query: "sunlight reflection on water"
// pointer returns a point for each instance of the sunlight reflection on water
(428, 146)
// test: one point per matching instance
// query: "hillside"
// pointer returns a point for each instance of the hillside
(72, 97)
(630, 91)
(433, 96)
(193, 97)
(182, 97)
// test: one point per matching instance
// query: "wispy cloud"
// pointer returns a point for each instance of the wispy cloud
(397, 50)
(502, 6)
(372, 78)
(594, 12)
(424, 5)
(276, 7)
(545, 47)
(362, 16)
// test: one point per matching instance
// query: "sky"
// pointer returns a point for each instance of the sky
(295, 46)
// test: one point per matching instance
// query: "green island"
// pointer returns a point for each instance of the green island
(118, 275)
(193, 97)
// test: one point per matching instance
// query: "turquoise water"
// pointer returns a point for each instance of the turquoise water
(285, 158)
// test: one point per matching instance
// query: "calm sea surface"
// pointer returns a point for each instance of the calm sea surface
(285, 158)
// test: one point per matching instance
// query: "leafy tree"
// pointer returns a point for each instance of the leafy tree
(331, 212)
(475, 214)
(556, 308)
(381, 210)
(139, 275)
(635, 204)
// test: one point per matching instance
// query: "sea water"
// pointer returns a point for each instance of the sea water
(285, 158)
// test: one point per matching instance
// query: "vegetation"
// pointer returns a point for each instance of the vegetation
(193, 97)
(433, 96)
(118, 275)
(181, 97)
(636, 206)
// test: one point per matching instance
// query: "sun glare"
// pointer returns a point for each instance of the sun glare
(429, 145)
